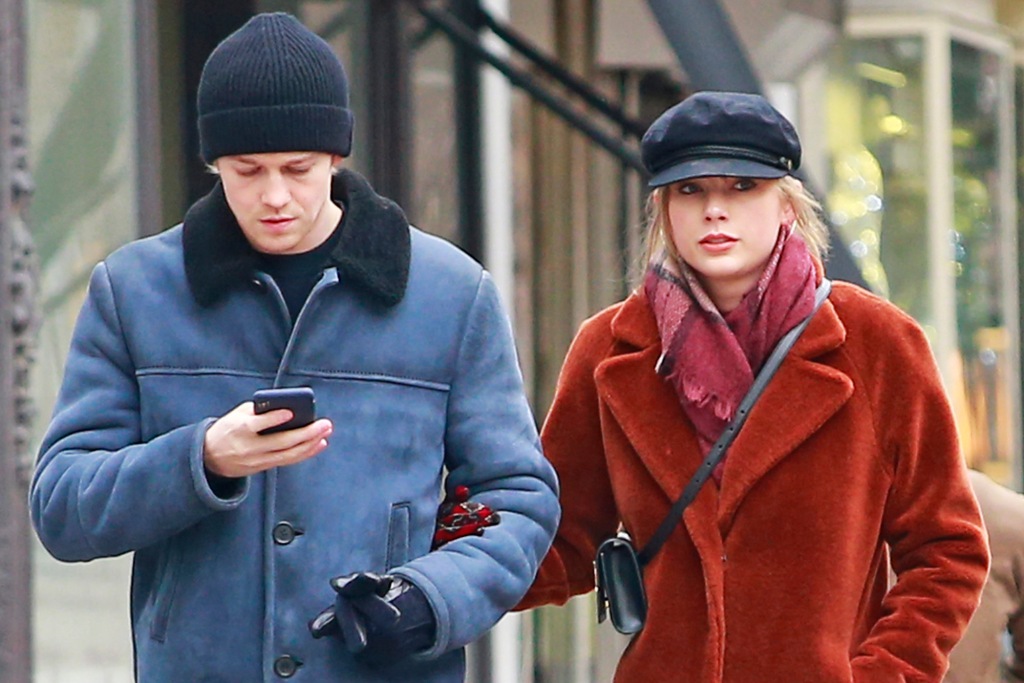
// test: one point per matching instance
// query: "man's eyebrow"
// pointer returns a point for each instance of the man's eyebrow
(252, 161)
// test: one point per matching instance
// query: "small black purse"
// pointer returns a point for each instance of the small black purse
(618, 567)
(620, 584)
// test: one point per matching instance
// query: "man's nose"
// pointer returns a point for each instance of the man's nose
(275, 192)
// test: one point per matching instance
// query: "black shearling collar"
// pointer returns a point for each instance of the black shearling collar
(373, 252)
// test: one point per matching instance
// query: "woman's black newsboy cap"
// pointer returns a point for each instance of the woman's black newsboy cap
(720, 134)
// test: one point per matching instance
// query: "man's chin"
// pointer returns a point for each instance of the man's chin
(278, 246)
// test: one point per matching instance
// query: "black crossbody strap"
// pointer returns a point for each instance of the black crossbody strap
(717, 451)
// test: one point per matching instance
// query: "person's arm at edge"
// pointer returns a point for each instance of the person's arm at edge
(491, 447)
(97, 491)
(573, 442)
(1014, 670)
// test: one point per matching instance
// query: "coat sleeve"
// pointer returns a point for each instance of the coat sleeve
(573, 441)
(97, 490)
(931, 523)
(491, 446)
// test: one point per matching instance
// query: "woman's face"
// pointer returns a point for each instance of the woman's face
(725, 228)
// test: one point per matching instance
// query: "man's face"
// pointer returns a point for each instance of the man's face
(281, 200)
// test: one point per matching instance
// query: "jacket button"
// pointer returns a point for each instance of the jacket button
(285, 666)
(284, 533)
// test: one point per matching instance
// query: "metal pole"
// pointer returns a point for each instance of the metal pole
(496, 154)
(706, 44)
(468, 133)
(579, 86)
(520, 78)
(389, 92)
(16, 329)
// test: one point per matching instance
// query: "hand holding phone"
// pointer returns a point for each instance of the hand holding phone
(299, 400)
(232, 446)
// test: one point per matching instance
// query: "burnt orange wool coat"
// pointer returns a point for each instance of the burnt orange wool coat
(780, 574)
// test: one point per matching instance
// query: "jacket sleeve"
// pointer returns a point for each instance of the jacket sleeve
(931, 522)
(491, 446)
(97, 490)
(1015, 624)
(573, 441)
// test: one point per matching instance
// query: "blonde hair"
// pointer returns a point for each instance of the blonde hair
(808, 224)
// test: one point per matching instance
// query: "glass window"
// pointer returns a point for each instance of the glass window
(82, 113)
(983, 339)
(1016, 479)
(435, 191)
(343, 24)
(81, 98)
(876, 138)
(880, 200)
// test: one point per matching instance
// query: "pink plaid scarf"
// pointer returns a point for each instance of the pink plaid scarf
(711, 359)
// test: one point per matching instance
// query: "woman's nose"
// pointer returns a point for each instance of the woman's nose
(714, 209)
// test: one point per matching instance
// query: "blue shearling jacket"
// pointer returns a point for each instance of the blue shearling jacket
(406, 345)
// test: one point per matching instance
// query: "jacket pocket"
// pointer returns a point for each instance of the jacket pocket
(166, 585)
(398, 535)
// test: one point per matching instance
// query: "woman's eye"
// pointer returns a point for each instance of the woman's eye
(745, 184)
(688, 188)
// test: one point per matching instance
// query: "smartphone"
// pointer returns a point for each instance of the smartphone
(299, 400)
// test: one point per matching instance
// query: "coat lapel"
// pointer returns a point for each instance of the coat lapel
(800, 398)
(647, 410)
(643, 404)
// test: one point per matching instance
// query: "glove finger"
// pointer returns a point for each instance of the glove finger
(352, 626)
(380, 613)
(324, 624)
(362, 583)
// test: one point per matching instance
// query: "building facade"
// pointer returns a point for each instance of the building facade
(511, 128)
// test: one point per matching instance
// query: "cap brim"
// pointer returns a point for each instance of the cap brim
(702, 168)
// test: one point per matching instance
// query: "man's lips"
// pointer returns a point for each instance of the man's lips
(277, 222)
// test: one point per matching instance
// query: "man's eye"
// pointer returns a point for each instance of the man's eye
(247, 172)
(300, 170)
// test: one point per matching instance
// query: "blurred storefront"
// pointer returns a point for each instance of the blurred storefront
(920, 138)
(910, 111)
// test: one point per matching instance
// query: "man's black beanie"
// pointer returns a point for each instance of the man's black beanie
(273, 86)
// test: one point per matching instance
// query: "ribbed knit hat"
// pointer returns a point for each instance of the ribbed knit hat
(273, 86)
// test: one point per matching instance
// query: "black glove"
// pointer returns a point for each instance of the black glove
(379, 618)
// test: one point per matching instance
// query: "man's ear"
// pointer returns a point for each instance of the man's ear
(336, 160)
